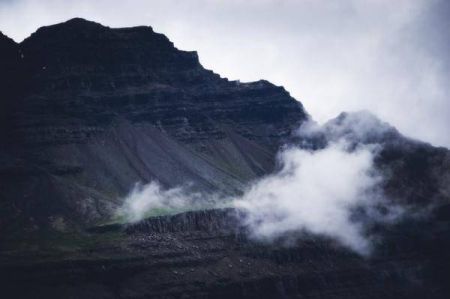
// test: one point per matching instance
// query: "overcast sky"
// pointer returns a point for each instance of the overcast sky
(389, 57)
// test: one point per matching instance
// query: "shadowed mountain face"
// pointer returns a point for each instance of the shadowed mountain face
(87, 111)
(94, 110)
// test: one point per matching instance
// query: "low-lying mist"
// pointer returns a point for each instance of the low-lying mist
(334, 191)
(314, 192)
(152, 200)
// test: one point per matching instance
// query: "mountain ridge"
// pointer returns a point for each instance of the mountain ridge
(79, 84)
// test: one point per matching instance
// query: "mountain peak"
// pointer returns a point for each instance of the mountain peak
(76, 22)
(360, 126)
(77, 29)
(79, 42)
(81, 21)
(78, 26)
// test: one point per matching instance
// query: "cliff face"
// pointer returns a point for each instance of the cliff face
(93, 75)
(94, 110)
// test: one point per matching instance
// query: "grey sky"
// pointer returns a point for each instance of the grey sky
(389, 57)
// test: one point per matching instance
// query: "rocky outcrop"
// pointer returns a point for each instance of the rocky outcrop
(210, 221)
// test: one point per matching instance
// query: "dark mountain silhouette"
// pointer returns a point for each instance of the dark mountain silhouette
(94, 110)
(87, 111)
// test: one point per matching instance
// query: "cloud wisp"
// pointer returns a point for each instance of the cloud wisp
(152, 199)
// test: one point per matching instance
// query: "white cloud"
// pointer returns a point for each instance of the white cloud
(315, 192)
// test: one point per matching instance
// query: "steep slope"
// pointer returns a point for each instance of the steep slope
(96, 110)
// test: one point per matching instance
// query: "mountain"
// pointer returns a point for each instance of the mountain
(94, 110)
(87, 111)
